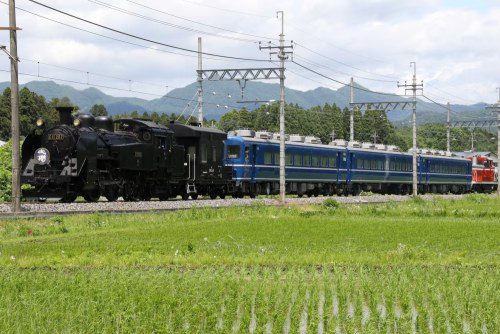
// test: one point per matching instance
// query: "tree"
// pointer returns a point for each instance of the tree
(98, 110)
(5, 115)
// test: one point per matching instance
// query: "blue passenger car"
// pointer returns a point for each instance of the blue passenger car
(313, 168)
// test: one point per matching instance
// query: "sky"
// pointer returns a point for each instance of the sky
(455, 43)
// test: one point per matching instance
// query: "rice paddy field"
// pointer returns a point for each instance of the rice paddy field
(413, 267)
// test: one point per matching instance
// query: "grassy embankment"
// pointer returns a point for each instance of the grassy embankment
(404, 267)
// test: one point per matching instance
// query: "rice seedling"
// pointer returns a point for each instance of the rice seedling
(404, 268)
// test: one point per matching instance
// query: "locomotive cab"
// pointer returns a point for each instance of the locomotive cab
(205, 173)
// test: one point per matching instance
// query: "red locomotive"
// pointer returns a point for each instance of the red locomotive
(483, 174)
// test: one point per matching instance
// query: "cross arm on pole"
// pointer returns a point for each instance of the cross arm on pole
(10, 28)
(363, 106)
(474, 124)
(4, 49)
(240, 74)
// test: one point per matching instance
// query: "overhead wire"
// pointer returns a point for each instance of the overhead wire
(165, 23)
(143, 38)
(114, 38)
(312, 35)
(225, 9)
(344, 64)
(198, 22)
(95, 74)
(338, 71)
(187, 105)
(447, 93)
(107, 87)
(344, 83)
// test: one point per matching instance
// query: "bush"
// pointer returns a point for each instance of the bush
(330, 203)
(6, 172)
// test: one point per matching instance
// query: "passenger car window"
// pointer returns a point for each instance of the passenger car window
(333, 162)
(268, 158)
(297, 160)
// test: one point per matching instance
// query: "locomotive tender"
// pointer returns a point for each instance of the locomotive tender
(313, 168)
(134, 159)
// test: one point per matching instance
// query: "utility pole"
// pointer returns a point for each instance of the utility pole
(282, 56)
(498, 142)
(14, 103)
(375, 137)
(496, 107)
(448, 129)
(472, 140)
(414, 87)
(351, 112)
(244, 74)
(200, 84)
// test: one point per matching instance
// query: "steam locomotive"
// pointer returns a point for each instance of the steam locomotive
(129, 158)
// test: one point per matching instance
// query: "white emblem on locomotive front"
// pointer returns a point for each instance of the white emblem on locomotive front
(42, 156)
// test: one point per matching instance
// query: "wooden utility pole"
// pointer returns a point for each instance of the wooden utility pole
(351, 113)
(414, 87)
(448, 129)
(200, 84)
(14, 103)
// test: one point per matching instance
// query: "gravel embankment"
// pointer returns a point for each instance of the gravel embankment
(30, 209)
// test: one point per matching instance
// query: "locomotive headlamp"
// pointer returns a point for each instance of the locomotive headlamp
(42, 156)
(40, 122)
(76, 122)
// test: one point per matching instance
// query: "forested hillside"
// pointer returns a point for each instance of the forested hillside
(373, 125)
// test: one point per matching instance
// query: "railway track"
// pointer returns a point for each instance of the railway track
(34, 210)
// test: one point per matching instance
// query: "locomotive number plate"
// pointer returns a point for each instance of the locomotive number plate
(56, 136)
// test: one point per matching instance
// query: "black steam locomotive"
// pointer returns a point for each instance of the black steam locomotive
(134, 159)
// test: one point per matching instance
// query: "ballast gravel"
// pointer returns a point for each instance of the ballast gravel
(178, 204)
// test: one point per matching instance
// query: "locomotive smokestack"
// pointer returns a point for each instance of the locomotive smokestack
(65, 115)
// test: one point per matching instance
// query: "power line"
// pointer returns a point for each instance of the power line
(95, 74)
(165, 23)
(456, 113)
(447, 93)
(113, 38)
(311, 35)
(338, 71)
(319, 82)
(142, 38)
(226, 9)
(109, 87)
(343, 83)
(345, 64)
(197, 22)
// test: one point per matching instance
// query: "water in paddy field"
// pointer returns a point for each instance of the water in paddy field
(237, 322)
(253, 321)
(303, 319)
(321, 305)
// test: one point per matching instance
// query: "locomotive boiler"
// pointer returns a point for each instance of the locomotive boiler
(90, 157)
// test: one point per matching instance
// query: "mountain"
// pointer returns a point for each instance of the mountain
(222, 96)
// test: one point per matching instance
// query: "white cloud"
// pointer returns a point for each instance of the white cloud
(457, 48)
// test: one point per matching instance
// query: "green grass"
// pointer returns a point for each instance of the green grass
(406, 267)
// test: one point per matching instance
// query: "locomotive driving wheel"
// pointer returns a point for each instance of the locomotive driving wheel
(111, 192)
(68, 198)
(130, 192)
(92, 195)
(145, 194)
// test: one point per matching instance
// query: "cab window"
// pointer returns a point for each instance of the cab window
(233, 152)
